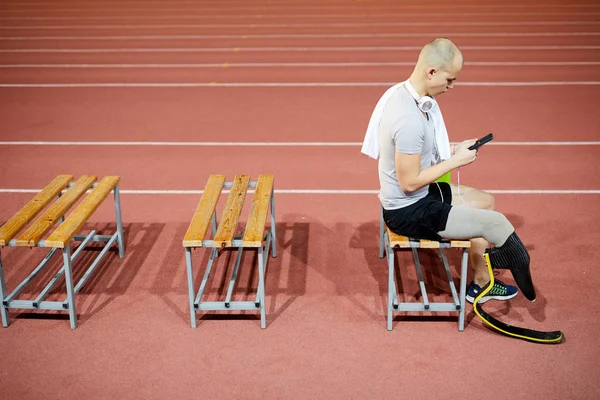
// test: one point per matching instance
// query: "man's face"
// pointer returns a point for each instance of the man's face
(441, 80)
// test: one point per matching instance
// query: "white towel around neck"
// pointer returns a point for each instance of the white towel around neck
(371, 143)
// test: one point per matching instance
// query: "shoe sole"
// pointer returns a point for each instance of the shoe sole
(486, 298)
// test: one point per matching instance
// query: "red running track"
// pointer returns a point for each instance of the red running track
(326, 291)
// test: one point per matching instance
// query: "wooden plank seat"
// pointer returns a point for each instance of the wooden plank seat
(390, 242)
(67, 193)
(222, 237)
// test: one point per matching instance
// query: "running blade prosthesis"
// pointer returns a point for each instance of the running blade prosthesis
(530, 335)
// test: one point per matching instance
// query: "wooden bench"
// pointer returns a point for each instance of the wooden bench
(390, 242)
(67, 192)
(224, 238)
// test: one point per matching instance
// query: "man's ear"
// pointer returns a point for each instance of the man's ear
(430, 72)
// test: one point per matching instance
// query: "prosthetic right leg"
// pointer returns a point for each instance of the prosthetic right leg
(512, 255)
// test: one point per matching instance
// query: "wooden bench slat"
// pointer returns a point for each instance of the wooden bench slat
(33, 208)
(429, 244)
(403, 242)
(463, 244)
(231, 213)
(43, 224)
(398, 240)
(204, 212)
(65, 232)
(258, 212)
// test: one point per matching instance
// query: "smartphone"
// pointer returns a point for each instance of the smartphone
(482, 141)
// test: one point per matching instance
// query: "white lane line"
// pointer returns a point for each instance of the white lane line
(231, 6)
(263, 144)
(318, 191)
(277, 84)
(290, 7)
(302, 36)
(544, 144)
(292, 49)
(258, 16)
(202, 144)
(300, 65)
(301, 25)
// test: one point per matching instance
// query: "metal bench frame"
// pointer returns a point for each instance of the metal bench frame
(269, 243)
(458, 304)
(9, 300)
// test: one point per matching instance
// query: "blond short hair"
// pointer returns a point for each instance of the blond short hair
(439, 53)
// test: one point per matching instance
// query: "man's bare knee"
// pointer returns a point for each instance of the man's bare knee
(479, 242)
(483, 201)
(472, 198)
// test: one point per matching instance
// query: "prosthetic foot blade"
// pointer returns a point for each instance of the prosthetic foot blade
(530, 335)
(552, 337)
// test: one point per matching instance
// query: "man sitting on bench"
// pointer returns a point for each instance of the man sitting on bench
(410, 163)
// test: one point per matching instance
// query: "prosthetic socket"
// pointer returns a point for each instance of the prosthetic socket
(512, 255)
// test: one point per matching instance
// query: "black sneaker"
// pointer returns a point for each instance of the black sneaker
(500, 291)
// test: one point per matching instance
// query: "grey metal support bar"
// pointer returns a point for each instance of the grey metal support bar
(265, 262)
(190, 276)
(213, 254)
(261, 288)
(30, 277)
(3, 310)
(214, 223)
(119, 222)
(236, 267)
(95, 263)
(220, 306)
(60, 273)
(96, 238)
(44, 305)
(391, 287)
(273, 234)
(381, 233)
(392, 255)
(463, 288)
(433, 307)
(450, 280)
(420, 276)
(41, 243)
(69, 281)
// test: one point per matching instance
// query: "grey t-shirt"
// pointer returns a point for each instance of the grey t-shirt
(405, 129)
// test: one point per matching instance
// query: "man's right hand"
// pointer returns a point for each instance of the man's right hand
(462, 155)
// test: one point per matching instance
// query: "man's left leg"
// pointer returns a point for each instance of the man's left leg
(475, 198)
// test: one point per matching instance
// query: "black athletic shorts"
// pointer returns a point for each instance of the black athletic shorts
(425, 218)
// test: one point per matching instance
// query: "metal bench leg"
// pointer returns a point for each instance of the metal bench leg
(273, 235)
(391, 288)
(381, 234)
(455, 297)
(261, 288)
(3, 309)
(69, 282)
(120, 240)
(213, 222)
(420, 276)
(214, 254)
(463, 289)
(190, 277)
(236, 267)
